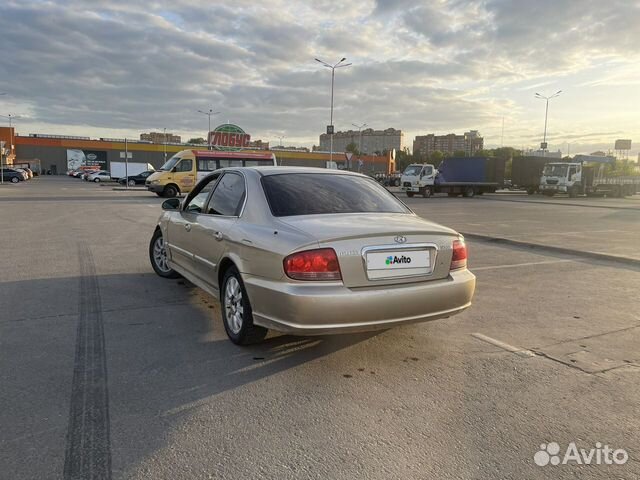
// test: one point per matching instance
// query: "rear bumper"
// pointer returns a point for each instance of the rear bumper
(333, 308)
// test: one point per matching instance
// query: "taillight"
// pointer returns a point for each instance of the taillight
(459, 257)
(320, 264)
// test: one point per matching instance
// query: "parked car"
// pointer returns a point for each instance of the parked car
(99, 176)
(12, 175)
(29, 171)
(23, 172)
(138, 179)
(310, 251)
(85, 174)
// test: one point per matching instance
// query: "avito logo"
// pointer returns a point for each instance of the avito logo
(392, 260)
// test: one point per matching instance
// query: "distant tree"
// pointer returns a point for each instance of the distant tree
(404, 158)
(197, 141)
(353, 148)
(459, 153)
(436, 157)
(485, 153)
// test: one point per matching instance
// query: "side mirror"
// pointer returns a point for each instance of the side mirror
(171, 204)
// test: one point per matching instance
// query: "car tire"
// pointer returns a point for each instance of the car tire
(96, 180)
(237, 315)
(131, 183)
(15, 179)
(158, 256)
(170, 191)
(410, 194)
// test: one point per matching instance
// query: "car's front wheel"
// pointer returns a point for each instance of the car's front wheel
(237, 315)
(15, 179)
(158, 256)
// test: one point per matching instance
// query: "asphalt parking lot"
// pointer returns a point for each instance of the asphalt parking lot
(547, 353)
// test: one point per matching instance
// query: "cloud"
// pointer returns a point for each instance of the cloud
(442, 66)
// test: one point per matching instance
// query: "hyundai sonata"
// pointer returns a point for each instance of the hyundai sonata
(310, 251)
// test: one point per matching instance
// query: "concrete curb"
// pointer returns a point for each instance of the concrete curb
(635, 262)
(566, 204)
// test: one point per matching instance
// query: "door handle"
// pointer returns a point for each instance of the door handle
(218, 236)
(187, 227)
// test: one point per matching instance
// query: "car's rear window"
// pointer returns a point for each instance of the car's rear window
(320, 193)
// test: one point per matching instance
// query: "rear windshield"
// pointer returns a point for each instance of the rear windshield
(320, 193)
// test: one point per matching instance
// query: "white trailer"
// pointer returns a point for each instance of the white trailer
(118, 169)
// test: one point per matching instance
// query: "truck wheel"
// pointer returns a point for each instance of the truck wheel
(410, 194)
(469, 192)
(170, 191)
(426, 192)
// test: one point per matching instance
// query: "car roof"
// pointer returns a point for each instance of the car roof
(273, 170)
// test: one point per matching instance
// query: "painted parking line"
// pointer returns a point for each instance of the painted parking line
(516, 265)
(521, 352)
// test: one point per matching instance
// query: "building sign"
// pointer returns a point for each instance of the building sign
(623, 144)
(86, 158)
(229, 137)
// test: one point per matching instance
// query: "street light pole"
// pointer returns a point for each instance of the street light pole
(165, 144)
(546, 112)
(208, 113)
(2, 148)
(10, 117)
(333, 75)
(360, 127)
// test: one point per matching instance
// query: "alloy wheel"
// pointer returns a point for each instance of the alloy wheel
(160, 255)
(233, 305)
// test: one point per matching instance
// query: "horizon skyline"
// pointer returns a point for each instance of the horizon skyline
(116, 68)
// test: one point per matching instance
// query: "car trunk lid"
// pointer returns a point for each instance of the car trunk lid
(381, 249)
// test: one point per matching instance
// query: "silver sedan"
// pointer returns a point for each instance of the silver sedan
(310, 251)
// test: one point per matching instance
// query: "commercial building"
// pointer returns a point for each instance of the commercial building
(160, 137)
(55, 154)
(372, 140)
(470, 142)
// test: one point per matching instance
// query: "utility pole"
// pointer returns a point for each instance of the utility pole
(209, 114)
(543, 146)
(126, 164)
(333, 75)
(165, 144)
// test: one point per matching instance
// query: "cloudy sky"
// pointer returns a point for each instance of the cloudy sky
(115, 68)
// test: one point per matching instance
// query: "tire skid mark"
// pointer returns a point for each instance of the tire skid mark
(88, 444)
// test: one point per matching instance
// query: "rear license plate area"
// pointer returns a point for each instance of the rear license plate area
(397, 263)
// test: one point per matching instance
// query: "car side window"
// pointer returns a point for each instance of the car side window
(228, 196)
(198, 198)
(185, 165)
